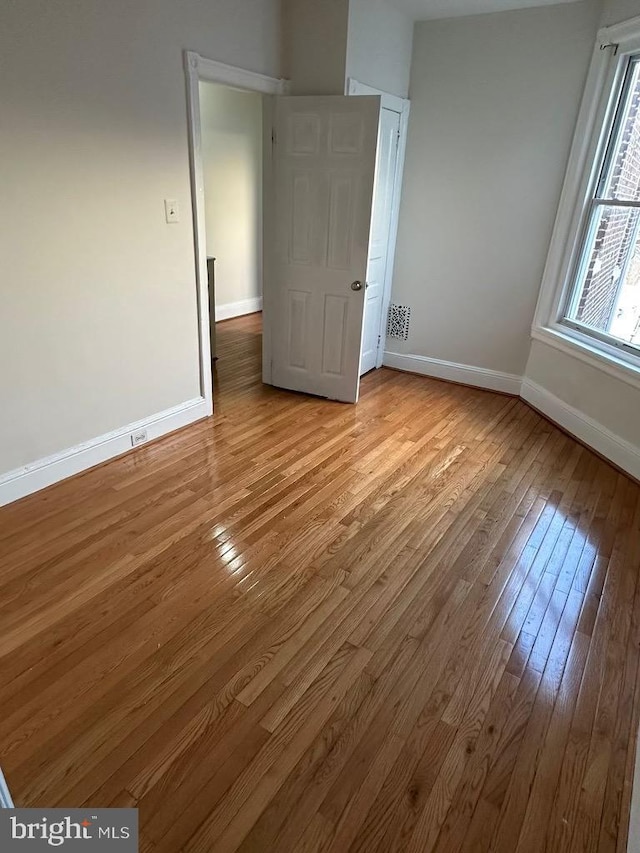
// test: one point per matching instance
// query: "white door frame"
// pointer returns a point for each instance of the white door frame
(197, 69)
(401, 106)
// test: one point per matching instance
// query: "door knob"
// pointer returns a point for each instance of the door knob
(356, 285)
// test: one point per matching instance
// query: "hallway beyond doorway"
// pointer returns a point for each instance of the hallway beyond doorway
(238, 367)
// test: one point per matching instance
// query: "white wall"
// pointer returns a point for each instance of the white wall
(315, 45)
(614, 405)
(379, 45)
(494, 99)
(98, 317)
(607, 400)
(232, 160)
(615, 11)
(494, 103)
(327, 42)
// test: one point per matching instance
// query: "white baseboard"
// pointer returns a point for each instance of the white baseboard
(622, 453)
(37, 475)
(238, 309)
(481, 377)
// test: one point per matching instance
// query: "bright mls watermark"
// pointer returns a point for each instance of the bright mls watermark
(35, 830)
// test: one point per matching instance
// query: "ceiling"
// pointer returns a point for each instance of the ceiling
(425, 10)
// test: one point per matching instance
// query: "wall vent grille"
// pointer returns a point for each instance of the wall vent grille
(398, 322)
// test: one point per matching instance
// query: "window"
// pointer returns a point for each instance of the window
(605, 298)
(590, 297)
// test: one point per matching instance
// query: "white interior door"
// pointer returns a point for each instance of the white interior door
(379, 240)
(323, 169)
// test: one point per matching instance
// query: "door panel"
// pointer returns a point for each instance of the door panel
(324, 158)
(300, 251)
(340, 221)
(298, 320)
(336, 314)
(379, 240)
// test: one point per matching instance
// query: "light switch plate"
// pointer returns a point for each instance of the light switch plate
(171, 210)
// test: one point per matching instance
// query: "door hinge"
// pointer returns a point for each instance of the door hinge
(274, 138)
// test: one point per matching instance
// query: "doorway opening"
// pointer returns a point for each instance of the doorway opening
(219, 299)
(232, 155)
(325, 295)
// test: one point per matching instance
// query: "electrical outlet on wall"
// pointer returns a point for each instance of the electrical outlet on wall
(138, 437)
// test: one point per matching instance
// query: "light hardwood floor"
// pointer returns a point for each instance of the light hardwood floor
(409, 625)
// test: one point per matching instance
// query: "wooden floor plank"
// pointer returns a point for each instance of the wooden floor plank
(412, 624)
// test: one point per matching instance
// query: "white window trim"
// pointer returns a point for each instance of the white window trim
(613, 45)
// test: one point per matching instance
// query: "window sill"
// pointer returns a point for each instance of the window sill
(580, 346)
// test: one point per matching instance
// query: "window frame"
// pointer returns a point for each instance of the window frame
(594, 128)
